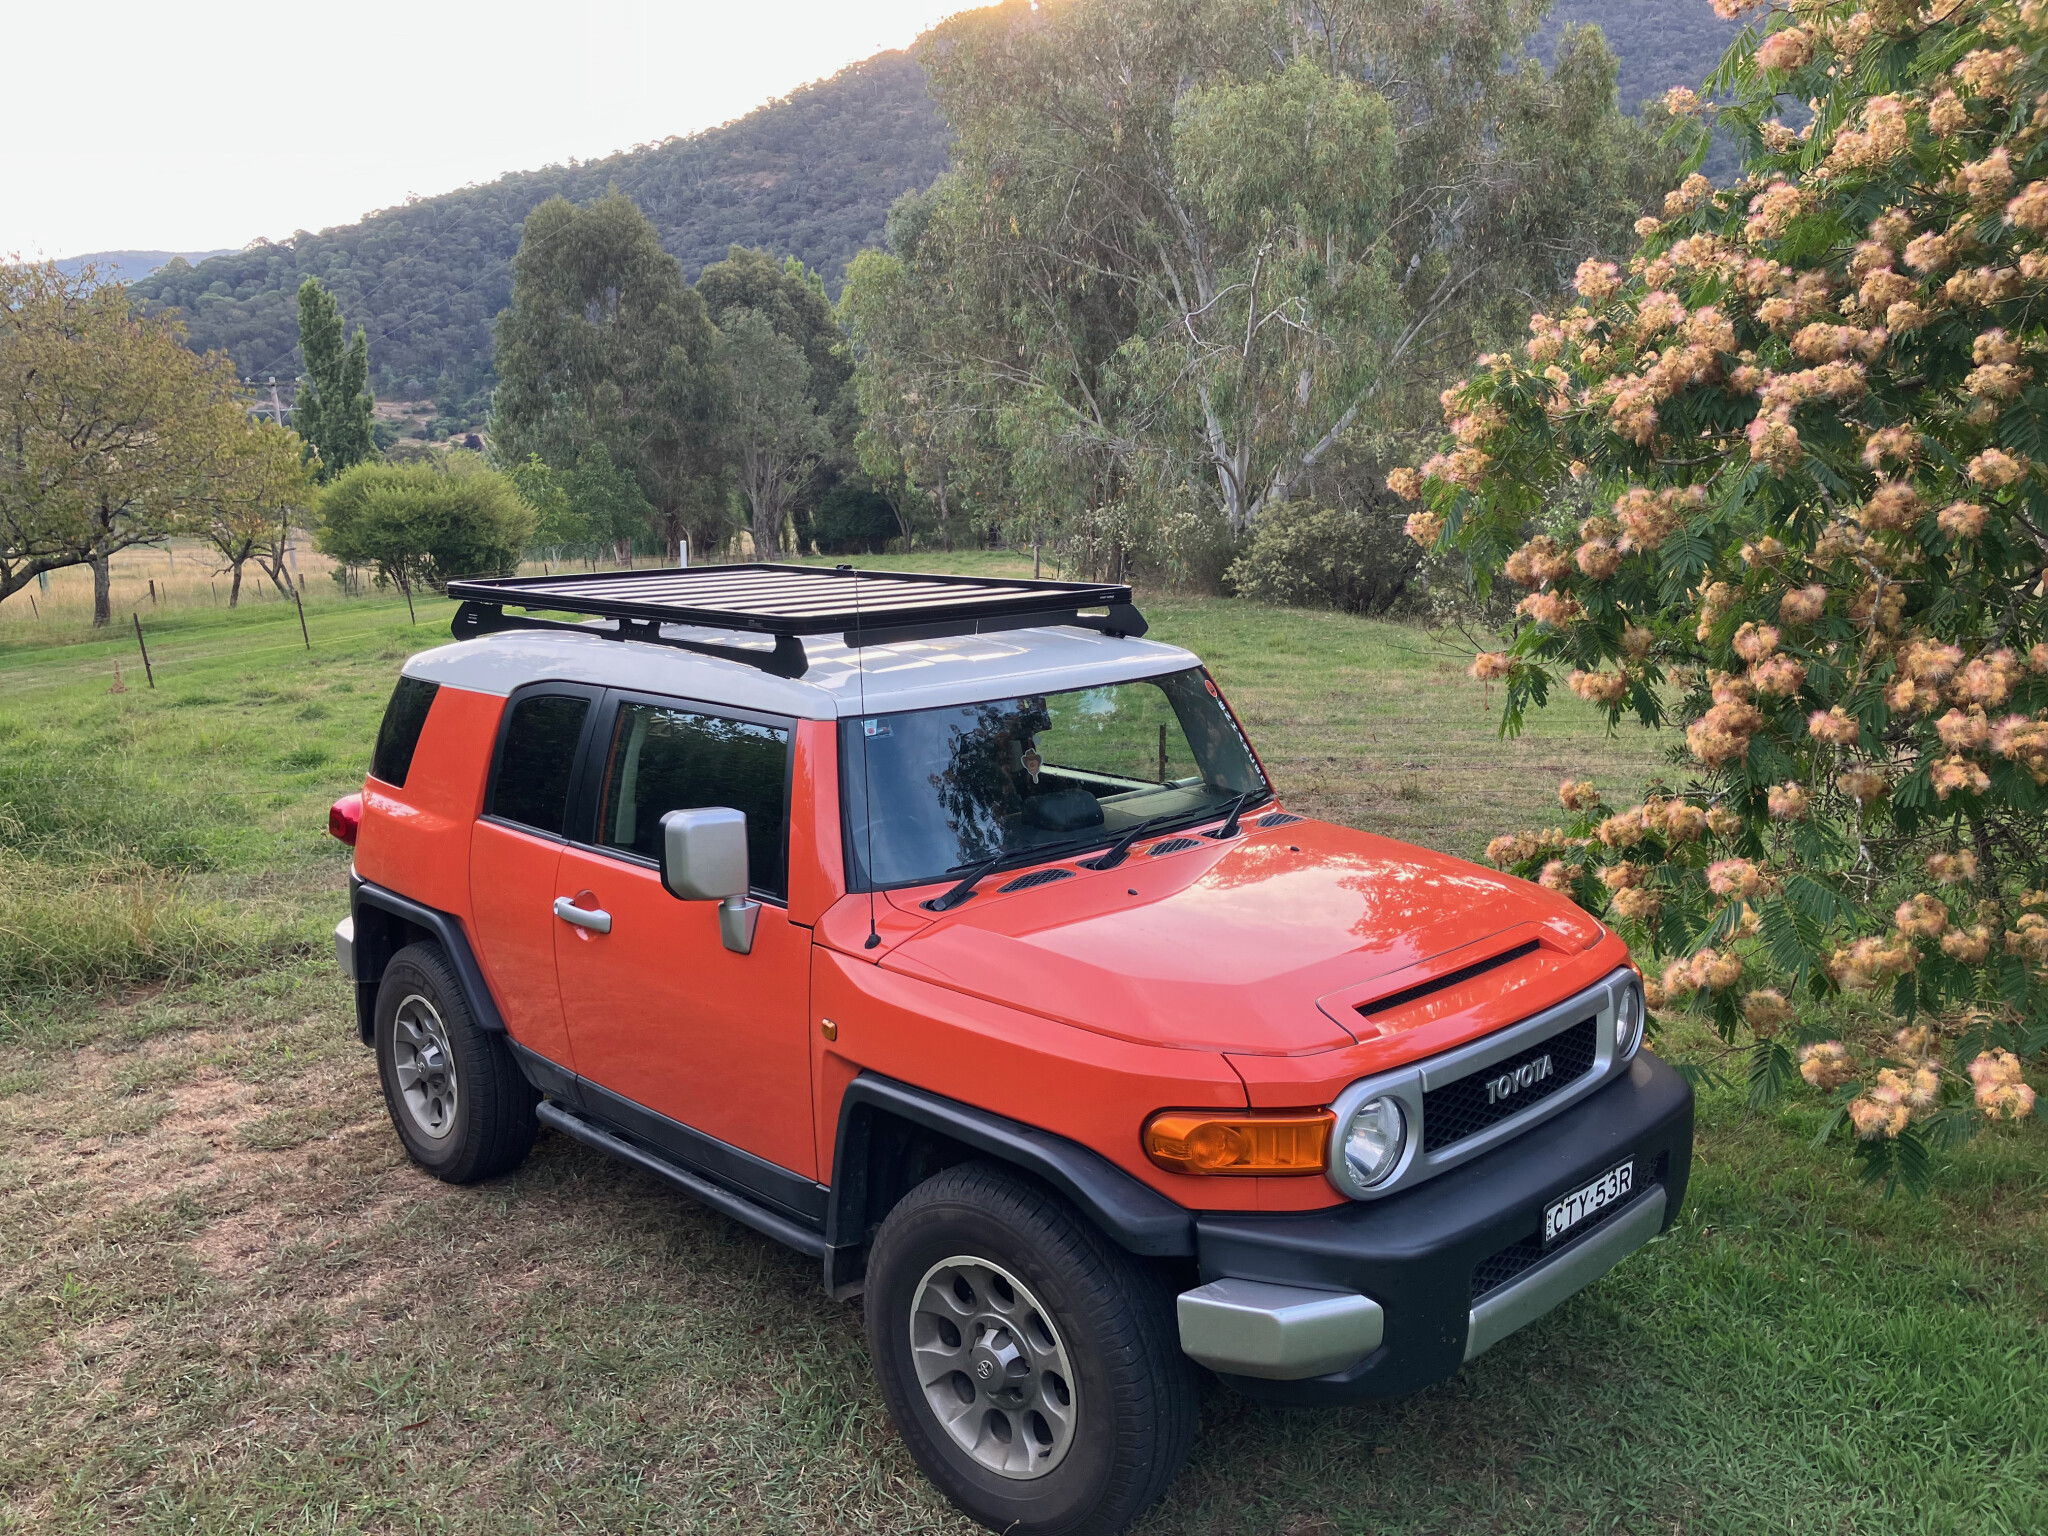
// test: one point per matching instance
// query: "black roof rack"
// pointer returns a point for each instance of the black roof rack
(788, 602)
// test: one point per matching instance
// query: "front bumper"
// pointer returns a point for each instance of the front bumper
(1376, 1300)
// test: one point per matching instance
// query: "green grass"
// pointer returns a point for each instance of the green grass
(227, 1303)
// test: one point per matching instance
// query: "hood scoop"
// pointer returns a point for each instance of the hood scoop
(1422, 989)
(1487, 971)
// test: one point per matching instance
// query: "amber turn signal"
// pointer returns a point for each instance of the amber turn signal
(1290, 1141)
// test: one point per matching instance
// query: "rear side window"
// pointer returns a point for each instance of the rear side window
(664, 759)
(532, 786)
(399, 736)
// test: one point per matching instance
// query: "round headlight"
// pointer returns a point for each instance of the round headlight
(1628, 1019)
(1374, 1140)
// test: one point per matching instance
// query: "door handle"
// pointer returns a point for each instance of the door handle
(583, 917)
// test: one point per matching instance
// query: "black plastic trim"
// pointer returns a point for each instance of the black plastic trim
(1415, 1253)
(1138, 1217)
(447, 932)
(606, 1139)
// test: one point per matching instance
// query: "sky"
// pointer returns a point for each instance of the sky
(207, 124)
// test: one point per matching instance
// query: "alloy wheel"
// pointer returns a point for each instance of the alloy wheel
(993, 1368)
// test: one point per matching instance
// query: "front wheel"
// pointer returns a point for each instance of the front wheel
(1032, 1368)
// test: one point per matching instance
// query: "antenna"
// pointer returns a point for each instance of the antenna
(867, 787)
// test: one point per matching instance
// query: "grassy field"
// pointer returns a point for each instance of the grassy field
(227, 1303)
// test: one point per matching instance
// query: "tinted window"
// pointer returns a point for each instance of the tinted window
(930, 791)
(665, 759)
(533, 770)
(399, 736)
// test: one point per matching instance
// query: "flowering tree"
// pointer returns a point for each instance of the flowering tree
(1783, 484)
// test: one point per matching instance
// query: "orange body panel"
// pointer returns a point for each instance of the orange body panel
(415, 840)
(660, 1011)
(1230, 975)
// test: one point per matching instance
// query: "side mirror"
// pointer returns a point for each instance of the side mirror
(704, 858)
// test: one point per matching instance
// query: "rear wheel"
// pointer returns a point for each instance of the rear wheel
(1032, 1367)
(460, 1104)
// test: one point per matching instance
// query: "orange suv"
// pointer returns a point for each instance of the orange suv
(950, 932)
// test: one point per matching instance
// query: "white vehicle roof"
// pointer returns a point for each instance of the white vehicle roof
(910, 674)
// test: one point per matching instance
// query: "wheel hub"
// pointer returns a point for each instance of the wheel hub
(994, 1370)
(424, 1063)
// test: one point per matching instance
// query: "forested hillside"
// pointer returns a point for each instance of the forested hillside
(812, 174)
(128, 266)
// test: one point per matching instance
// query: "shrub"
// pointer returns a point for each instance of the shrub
(425, 523)
(1349, 558)
(1807, 413)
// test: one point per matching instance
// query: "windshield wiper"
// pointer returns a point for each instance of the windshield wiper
(947, 900)
(1120, 850)
(1229, 827)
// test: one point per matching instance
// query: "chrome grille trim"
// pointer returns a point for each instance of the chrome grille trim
(1408, 1084)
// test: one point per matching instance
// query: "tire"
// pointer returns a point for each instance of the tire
(460, 1104)
(1089, 1464)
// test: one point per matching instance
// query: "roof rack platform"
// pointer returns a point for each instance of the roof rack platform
(866, 607)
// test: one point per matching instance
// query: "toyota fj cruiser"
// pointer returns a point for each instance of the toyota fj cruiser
(950, 932)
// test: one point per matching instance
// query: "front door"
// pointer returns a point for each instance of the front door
(659, 1011)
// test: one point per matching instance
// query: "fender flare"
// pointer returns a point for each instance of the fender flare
(374, 948)
(1136, 1216)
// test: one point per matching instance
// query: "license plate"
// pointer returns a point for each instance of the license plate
(1578, 1207)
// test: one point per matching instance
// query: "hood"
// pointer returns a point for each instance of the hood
(1229, 946)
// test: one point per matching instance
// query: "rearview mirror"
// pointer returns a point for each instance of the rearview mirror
(704, 858)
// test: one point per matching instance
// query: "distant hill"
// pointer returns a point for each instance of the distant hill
(128, 266)
(811, 175)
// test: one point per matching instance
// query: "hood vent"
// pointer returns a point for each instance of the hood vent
(1278, 819)
(1171, 845)
(1036, 877)
(1407, 995)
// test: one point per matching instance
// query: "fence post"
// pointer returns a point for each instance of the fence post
(147, 670)
(309, 639)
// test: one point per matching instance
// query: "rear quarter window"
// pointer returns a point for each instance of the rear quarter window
(537, 760)
(399, 736)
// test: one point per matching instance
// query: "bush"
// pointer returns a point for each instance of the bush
(425, 523)
(1304, 556)
(1811, 403)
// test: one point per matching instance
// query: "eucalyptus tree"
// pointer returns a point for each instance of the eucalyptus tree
(1189, 245)
(605, 343)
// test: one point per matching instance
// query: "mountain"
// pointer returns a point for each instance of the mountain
(812, 175)
(128, 266)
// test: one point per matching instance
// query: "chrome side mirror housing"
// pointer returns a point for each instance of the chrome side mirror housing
(704, 858)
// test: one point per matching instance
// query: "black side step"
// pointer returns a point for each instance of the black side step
(738, 1207)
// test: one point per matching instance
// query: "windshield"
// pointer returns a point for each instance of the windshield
(948, 788)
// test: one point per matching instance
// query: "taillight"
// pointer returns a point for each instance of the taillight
(1282, 1142)
(344, 817)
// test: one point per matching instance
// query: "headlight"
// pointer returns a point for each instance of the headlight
(1374, 1140)
(1628, 1019)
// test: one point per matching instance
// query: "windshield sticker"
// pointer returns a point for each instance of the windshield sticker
(875, 727)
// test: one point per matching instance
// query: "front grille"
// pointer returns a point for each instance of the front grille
(1461, 1109)
(1498, 1269)
(1036, 877)
(1171, 845)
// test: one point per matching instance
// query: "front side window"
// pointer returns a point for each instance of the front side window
(532, 784)
(664, 758)
(933, 791)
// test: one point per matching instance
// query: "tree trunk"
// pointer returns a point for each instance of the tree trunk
(102, 581)
(235, 585)
(945, 515)
(767, 528)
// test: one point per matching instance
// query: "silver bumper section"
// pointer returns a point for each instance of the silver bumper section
(1289, 1333)
(1280, 1332)
(1524, 1299)
(345, 947)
